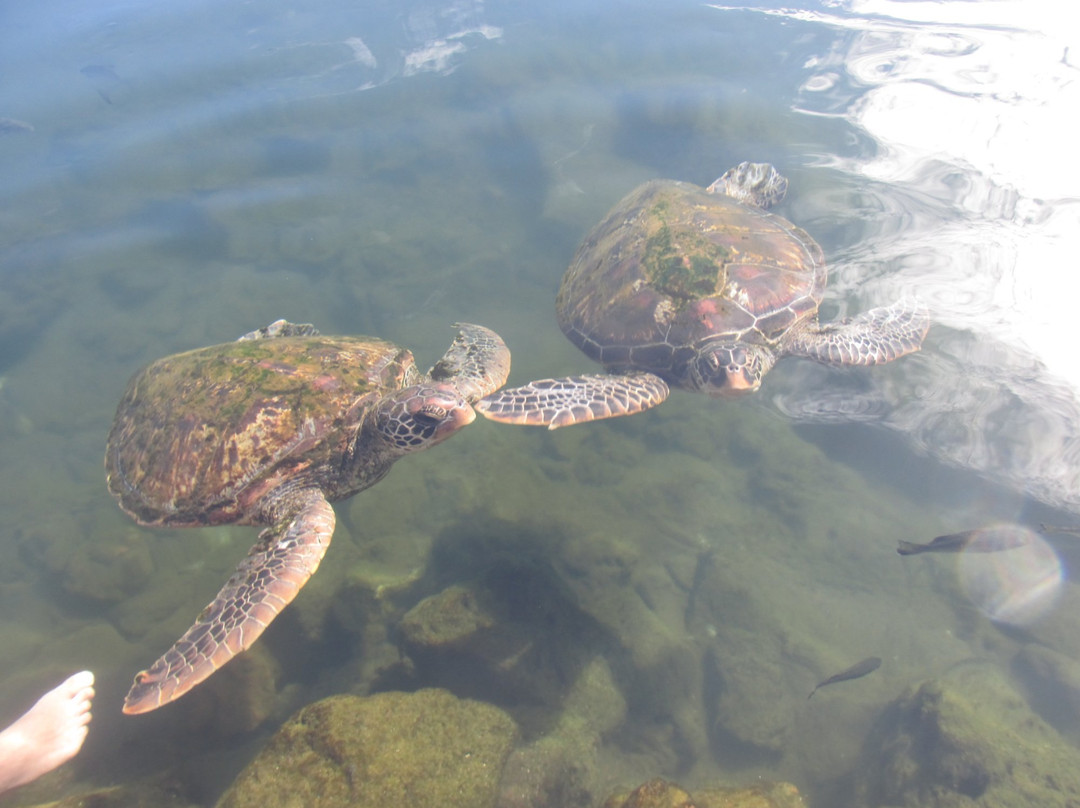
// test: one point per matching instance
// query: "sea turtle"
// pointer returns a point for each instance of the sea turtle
(698, 288)
(269, 430)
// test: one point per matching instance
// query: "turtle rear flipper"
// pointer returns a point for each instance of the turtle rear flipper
(871, 338)
(264, 583)
(574, 399)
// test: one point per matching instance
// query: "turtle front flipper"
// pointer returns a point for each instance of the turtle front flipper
(574, 399)
(875, 336)
(476, 363)
(264, 583)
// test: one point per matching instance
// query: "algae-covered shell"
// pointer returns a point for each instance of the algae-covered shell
(673, 264)
(198, 434)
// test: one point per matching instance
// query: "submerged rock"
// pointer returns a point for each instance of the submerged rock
(656, 793)
(109, 568)
(423, 748)
(561, 769)
(749, 681)
(509, 636)
(1053, 680)
(458, 618)
(554, 771)
(659, 793)
(462, 638)
(642, 611)
(966, 740)
(150, 794)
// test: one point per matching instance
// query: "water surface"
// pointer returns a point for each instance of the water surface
(178, 175)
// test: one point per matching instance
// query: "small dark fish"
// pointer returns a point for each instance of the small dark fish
(856, 671)
(980, 540)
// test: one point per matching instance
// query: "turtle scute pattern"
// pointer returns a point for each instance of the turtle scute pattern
(196, 430)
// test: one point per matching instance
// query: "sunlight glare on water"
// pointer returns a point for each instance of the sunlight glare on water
(990, 86)
(971, 109)
(1015, 586)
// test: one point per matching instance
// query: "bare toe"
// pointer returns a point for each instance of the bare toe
(83, 680)
(48, 734)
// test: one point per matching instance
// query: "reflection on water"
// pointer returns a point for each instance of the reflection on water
(978, 214)
(662, 593)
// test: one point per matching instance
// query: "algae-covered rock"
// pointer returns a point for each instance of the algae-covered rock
(463, 638)
(656, 793)
(106, 563)
(659, 793)
(423, 748)
(747, 700)
(108, 568)
(643, 612)
(1053, 681)
(749, 681)
(552, 772)
(966, 740)
(509, 636)
(459, 617)
(594, 705)
(152, 794)
(762, 795)
(561, 769)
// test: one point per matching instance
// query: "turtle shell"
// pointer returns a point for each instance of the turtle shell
(673, 266)
(201, 436)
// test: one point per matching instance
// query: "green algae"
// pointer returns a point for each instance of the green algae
(678, 260)
(660, 793)
(563, 766)
(146, 794)
(423, 748)
(966, 739)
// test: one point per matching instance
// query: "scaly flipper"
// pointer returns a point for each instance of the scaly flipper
(476, 363)
(875, 336)
(574, 399)
(264, 583)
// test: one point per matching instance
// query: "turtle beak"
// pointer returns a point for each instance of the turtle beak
(732, 369)
(421, 416)
(447, 410)
(449, 420)
(740, 380)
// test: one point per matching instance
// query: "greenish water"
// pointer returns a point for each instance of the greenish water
(194, 172)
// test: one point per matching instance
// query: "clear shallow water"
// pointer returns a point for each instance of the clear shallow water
(194, 173)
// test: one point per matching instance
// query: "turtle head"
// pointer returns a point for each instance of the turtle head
(420, 416)
(731, 368)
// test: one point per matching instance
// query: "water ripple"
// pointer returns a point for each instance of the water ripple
(966, 198)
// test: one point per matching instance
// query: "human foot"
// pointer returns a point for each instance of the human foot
(48, 734)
